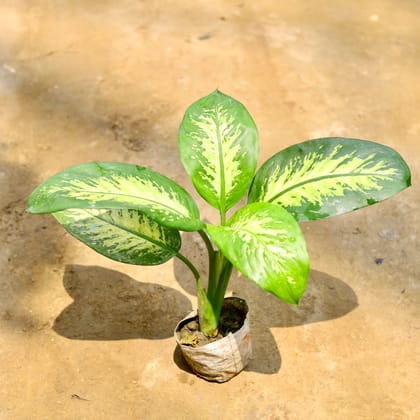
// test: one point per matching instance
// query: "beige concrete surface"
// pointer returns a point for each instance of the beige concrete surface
(109, 81)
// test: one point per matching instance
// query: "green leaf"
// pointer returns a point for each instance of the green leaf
(218, 145)
(117, 185)
(325, 177)
(264, 242)
(123, 235)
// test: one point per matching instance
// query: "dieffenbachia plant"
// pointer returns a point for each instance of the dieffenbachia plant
(134, 215)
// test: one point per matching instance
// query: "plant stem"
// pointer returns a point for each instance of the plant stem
(215, 269)
(218, 281)
(189, 264)
(221, 287)
(212, 257)
(208, 243)
(222, 217)
(210, 302)
(206, 315)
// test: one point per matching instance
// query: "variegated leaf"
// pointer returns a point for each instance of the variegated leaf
(123, 235)
(329, 176)
(117, 185)
(218, 145)
(264, 242)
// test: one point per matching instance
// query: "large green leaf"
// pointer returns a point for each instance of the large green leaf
(117, 185)
(329, 176)
(264, 242)
(218, 145)
(123, 235)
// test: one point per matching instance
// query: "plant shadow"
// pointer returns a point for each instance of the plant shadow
(325, 298)
(109, 305)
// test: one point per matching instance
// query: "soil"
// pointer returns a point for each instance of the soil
(231, 320)
(109, 81)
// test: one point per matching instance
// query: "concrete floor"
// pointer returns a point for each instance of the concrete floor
(109, 81)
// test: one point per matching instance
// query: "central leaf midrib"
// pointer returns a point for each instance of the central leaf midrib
(261, 243)
(222, 167)
(138, 234)
(320, 178)
(133, 196)
(257, 235)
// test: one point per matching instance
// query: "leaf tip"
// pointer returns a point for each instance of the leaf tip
(408, 183)
(218, 92)
(31, 207)
(295, 300)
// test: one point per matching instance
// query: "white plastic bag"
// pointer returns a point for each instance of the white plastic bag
(222, 359)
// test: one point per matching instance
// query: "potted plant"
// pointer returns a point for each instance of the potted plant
(134, 215)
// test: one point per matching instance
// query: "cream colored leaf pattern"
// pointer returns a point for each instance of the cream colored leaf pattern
(264, 242)
(324, 177)
(215, 143)
(123, 235)
(218, 144)
(117, 185)
(128, 189)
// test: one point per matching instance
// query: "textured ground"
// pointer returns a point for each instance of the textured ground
(110, 80)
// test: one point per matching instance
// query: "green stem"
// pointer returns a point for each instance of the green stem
(207, 317)
(215, 269)
(221, 287)
(212, 256)
(222, 217)
(189, 264)
(208, 243)
(210, 302)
